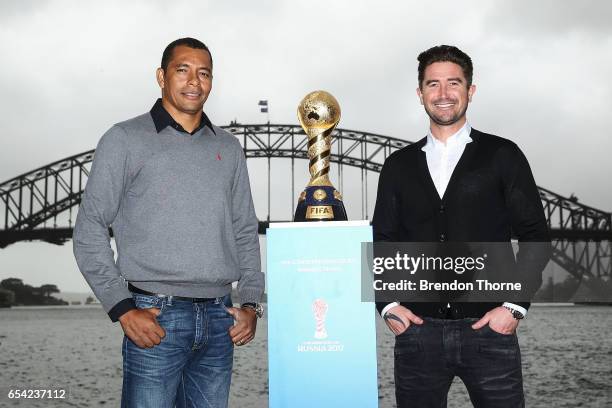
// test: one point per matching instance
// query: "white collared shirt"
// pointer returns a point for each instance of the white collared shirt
(442, 158)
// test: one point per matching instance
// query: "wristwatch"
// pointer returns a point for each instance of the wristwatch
(257, 307)
(515, 313)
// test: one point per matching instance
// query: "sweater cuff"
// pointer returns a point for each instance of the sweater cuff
(250, 296)
(121, 308)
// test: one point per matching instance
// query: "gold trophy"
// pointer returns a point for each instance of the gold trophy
(319, 113)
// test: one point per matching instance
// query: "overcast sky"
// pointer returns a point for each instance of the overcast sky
(71, 69)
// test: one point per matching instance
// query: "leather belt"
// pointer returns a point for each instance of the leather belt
(134, 289)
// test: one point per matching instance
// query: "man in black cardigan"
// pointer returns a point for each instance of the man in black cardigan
(458, 185)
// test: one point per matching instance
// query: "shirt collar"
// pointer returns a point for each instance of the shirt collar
(162, 119)
(462, 137)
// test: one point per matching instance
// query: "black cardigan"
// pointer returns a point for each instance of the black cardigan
(490, 197)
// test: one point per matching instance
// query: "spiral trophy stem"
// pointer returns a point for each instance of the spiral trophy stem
(319, 150)
(319, 113)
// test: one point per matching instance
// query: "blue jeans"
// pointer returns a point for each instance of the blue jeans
(191, 367)
(429, 356)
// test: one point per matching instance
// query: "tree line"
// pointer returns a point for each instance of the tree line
(13, 292)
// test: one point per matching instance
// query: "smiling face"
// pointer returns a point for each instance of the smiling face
(187, 81)
(445, 94)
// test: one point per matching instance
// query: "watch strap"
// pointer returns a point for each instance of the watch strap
(515, 313)
(257, 308)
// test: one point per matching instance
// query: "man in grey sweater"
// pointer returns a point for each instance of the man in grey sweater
(175, 190)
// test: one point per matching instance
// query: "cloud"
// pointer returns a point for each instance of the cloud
(547, 18)
(77, 68)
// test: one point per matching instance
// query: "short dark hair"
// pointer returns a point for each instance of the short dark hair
(445, 53)
(187, 41)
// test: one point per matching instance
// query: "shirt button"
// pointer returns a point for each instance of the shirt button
(442, 237)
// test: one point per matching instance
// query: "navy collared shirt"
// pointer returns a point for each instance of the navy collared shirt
(161, 119)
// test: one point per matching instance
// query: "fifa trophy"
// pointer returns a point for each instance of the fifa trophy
(319, 113)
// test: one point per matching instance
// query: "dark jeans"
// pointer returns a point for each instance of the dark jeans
(429, 356)
(191, 367)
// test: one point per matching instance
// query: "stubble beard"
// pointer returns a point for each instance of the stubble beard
(440, 122)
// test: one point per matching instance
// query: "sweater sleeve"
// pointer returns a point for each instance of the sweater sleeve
(251, 283)
(386, 218)
(100, 204)
(528, 223)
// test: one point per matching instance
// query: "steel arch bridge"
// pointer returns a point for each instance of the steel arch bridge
(582, 235)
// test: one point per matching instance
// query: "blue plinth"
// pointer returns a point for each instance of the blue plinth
(321, 337)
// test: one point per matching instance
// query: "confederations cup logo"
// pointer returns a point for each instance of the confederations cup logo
(319, 308)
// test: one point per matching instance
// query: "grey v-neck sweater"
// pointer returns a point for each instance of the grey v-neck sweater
(181, 210)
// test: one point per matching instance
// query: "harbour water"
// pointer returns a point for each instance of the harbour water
(567, 359)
